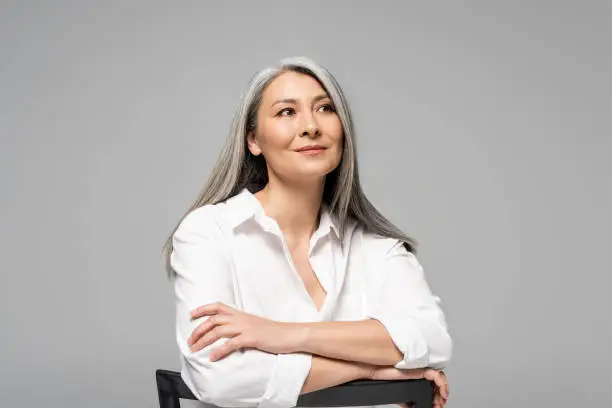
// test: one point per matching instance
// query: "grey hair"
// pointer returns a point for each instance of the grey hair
(236, 168)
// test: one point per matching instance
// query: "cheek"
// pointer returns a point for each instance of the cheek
(275, 137)
(335, 132)
(334, 126)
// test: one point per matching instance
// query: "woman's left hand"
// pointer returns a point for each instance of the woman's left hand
(438, 377)
(243, 330)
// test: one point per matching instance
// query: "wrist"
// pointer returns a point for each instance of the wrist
(300, 337)
(365, 371)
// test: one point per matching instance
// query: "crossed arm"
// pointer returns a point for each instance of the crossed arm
(232, 358)
(365, 341)
(341, 351)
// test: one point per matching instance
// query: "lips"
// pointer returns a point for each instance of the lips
(310, 148)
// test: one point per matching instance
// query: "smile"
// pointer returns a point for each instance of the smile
(312, 152)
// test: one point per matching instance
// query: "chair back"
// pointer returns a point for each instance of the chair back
(419, 393)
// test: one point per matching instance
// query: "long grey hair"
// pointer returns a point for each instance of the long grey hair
(236, 168)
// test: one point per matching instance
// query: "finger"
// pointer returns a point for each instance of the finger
(228, 347)
(439, 379)
(442, 399)
(442, 387)
(439, 403)
(442, 383)
(211, 309)
(430, 374)
(206, 326)
(217, 333)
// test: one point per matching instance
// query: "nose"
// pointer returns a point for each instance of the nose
(311, 129)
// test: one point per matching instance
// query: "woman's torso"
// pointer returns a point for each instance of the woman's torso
(271, 280)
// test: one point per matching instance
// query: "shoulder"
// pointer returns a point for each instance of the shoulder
(217, 220)
(221, 215)
(200, 219)
(379, 246)
(206, 221)
(375, 242)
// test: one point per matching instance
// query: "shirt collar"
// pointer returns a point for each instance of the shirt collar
(245, 206)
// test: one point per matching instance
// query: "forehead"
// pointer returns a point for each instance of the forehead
(293, 85)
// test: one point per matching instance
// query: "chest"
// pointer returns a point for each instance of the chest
(300, 263)
(293, 282)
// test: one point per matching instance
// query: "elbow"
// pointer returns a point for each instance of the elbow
(205, 384)
(221, 384)
(440, 351)
(222, 393)
(211, 390)
(427, 345)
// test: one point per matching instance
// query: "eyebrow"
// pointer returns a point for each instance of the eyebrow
(292, 100)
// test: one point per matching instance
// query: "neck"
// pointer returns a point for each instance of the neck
(295, 208)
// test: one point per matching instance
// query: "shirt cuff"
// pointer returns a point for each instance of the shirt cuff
(287, 380)
(408, 338)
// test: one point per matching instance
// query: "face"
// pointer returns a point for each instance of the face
(296, 113)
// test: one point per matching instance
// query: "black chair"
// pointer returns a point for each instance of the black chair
(170, 387)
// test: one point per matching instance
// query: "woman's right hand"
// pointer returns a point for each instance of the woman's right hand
(437, 376)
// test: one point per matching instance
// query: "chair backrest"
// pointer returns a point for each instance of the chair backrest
(171, 388)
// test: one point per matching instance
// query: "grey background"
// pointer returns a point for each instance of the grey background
(484, 131)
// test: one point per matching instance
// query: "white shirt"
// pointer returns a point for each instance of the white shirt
(232, 252)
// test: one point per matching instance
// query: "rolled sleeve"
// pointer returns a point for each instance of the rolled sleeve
(287, 380)
(400, 298)
(203, 275)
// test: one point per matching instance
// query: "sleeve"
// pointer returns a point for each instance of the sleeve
(399, 297)
(203, 275)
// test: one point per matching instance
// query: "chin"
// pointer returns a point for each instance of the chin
(315, 173)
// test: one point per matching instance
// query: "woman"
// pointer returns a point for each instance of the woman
(287, 279)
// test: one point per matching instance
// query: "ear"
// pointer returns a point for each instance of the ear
(252, 144)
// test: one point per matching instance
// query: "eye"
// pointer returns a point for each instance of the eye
(328, 107)
(288, 110)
